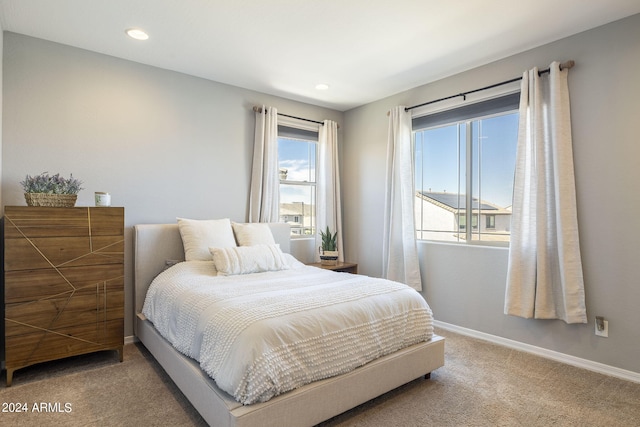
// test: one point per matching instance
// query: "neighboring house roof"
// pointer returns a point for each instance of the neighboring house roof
(454, 202)
(296, 209)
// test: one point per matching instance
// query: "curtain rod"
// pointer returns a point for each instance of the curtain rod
(567, 65)
(259, 110)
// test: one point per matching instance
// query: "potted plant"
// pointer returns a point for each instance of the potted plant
(51, 190)
(329, 247)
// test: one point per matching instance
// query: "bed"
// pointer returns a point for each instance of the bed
(158, 245)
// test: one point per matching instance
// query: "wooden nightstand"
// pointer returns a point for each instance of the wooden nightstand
(343, 267)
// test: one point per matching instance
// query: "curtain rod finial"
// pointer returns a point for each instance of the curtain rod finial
(568, 64)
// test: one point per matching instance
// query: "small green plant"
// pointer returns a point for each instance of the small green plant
(329, 241)
(51, 184)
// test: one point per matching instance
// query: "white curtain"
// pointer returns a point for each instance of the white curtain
(544, 278)
(328, 210)
(264, 194)
(399, 245)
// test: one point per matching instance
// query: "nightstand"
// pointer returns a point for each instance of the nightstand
(343, 267)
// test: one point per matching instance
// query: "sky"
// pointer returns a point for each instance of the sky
(437, 159)
(299, 159)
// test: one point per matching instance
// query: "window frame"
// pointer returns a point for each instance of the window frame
(499, 103)
(292, 130)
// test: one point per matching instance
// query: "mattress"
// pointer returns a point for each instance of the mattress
(262, 334)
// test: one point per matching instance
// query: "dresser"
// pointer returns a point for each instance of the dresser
(64, 283)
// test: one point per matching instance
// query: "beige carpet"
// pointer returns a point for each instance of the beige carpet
(480, 385)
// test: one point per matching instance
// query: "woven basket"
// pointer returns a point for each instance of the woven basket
(51, 200)
(329, 258)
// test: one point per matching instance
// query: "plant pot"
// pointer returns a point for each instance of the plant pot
(329, 257)
(51, 200)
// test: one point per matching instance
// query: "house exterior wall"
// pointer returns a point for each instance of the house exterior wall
(430, 217)
(433, 217)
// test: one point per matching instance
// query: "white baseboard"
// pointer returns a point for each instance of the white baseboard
(600, 368)
(133, 339)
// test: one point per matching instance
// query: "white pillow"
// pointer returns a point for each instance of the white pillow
(199, 235)
(248, 259)
(253, 234)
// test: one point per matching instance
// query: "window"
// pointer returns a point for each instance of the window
(465, 162)
(491, 222)
(297, 153)
(462, 221)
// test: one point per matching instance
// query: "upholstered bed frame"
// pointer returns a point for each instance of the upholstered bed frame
(155, 244)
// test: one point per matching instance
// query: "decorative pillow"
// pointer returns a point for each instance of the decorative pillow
(199, 235)
(253, 234)
(248, 259)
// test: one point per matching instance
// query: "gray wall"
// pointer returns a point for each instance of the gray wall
(465, 285)
(164, 144)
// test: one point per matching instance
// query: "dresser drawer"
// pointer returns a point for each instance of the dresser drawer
(87, 306)
(30, 285)
(35, 347)
(48, 252)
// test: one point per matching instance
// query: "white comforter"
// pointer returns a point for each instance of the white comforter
(259, 335)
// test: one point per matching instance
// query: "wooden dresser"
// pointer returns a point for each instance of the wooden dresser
(64, 283)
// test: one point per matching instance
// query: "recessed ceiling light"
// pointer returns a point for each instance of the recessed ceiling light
(136, 33)
(322, 86)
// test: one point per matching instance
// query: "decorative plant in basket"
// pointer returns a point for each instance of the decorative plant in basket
(329, 248)
(51, 190)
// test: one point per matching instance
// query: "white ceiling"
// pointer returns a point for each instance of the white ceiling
(363, 49)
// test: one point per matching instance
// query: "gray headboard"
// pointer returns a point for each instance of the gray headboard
(154, 244)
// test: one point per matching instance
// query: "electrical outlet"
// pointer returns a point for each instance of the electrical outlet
(602, 327)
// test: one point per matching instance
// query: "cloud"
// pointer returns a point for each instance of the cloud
(298, 170)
